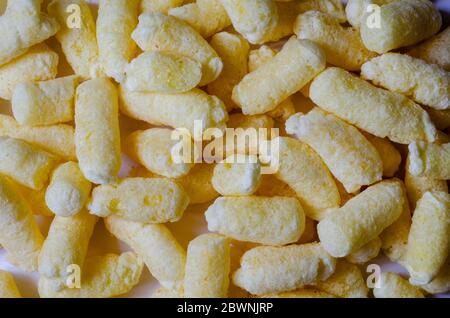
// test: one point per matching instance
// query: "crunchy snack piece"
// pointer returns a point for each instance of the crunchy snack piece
(355, 10)
(8, 288)
(429, 160)
(365, 253)
(441, 283)
(389, 155)
(394, 286)
(162, 6)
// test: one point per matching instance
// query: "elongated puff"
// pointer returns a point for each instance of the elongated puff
(394, 286)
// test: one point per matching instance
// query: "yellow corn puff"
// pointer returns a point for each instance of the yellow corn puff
(8, 287)
(429, 160)
(394, 286)
(162, 6)
(356, 9)
(389, 155)
(441, 283)
(365, 253)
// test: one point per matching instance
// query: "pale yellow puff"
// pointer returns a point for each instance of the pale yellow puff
(38, 64)
(44, 103)
(77, 36)
(429, 160)
(342, 45)
(158, 32)
(369, 251)
(292, 68)
(206, 16)
(160, 72)
(401, 23)
(155, 244)
(266, 269)
(19, 232)
(152, 200)
(162, 292)
(97, 135)
(334, 8)
(25, 163)
(375, 110)
(23, 25)
(239, 120)
(362, 218)
(425, 83)
(104, 276)
(430, 228)
(198, 183)
(350, 157)
(356, 9)
(233, 50)
(207, 267)
(435, 50)
(441, 118)
(58, 140)
(394, 286)
(441, 283)
(115, 22)
(66, 244)
(174, 110)
(8, 287)
(303, 170)
(265, 220)
(153, 149)
(237, 175)
(162, 6)
(389, 155)
(68, 191)
(301, 293)
(347, 282)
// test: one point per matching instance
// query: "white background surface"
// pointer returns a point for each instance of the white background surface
(191, 225)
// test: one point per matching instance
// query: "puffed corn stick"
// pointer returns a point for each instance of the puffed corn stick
(334, 8)
(389, 155)
(155, 244)
(207, 267)
(158, 32)
(175, 110)
(162, 6)
(8, 287)
(366, 253)
(430, 227)
(206, 16)
(342, 45)
(394, 286)
(104, 276)
(425, 83)
(270, 221)
(356, 9)
(19, 232)
(429, 160)
(77, 36)
(153, 200)
(266, 269)
(362, 218)
(401, 23)
(25, 163)
(233, 50)
(97, 135)
(23, 25)
(441, 283)
(58, 140)
(68, 191)
(347, 153)
(292, 68)
(44, 103)
(38, 64)
(353, 99)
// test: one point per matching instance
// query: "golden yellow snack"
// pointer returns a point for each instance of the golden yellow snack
(301, 293)
(266, 270)
(401, 23)
(425, 83)
(162, 6)
(8, 287)
(347, 153)
(394, 286)
(389, 155)
(347, 281)
(19, 232)
(160, 72)
(265, 220)
(430, 227)
(334, 8)
(233, 50)
(97, 135)
(366, 253)
(206, 16)
(115, 22)
(58, 139)
(38, 64)
(158, 32)
(44, 103)
(198, 183)
(105, 276)
(375, 110)
(68, 191)
(342, 45)
(362, 218)
(441, 283)
(152, 200)
(155, 244)
(355, 10)
(429, 160)
(207, 267)
(23, 25)
(77, 36)
(292, 68)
